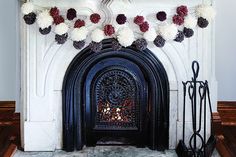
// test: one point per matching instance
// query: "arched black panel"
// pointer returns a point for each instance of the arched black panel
(74, 94)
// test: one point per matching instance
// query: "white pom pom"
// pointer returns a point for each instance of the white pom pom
(97, 35)
(168, 32)
(190, 22)
(206, 11)
(125, 36)
(27, 8)
(79, 34)
(44, 19)
(61, 28)
(150, 35)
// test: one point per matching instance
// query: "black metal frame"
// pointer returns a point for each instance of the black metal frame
(195, 89)
(73, 94)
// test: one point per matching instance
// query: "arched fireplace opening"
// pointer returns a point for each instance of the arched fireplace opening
(120, 96)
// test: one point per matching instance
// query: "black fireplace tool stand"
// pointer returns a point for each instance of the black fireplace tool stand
(198, 94)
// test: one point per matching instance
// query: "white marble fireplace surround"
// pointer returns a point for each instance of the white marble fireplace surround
(44, 63)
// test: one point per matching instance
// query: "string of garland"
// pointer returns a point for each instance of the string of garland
(182, 27)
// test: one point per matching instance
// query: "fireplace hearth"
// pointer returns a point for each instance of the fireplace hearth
(115, 97)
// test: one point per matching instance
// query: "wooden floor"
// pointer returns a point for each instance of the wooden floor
(9, 129)
(226, 129)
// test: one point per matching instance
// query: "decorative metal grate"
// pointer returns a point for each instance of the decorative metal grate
(116, 99)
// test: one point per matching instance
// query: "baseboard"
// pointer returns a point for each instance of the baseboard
(7, 105)
(227, 112)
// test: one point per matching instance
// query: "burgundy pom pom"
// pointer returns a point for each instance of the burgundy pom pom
(109, 30)
(138, 20)
(115, 45)
(95, 18)
(178, 20)
(45, 31)
(144, 26)
(161, 16)
(141, 44)
(79, 23)
(61, 39)
(79, 44)
(188, 32)
(96, 47)
(159, 41)
(71, 14)
(202, 23)
(58, 19)
(30, 18)
(182, 10)
(54, 12)
(121, 19)
(179, 37)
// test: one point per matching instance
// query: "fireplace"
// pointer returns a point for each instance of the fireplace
(115, 95)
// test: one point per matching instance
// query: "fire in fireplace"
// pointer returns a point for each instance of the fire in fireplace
(115, 95)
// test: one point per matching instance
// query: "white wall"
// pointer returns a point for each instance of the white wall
(226, 49)
(8, 49)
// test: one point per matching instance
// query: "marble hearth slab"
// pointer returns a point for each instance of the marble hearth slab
(104, 151)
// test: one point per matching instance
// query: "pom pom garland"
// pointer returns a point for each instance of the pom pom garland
(141, 44)
(54, 12)
(45, 31)
(161, 16)
(202, 23)
(71, 14)
(190, 22)
(159, 41)
(95, 46)
(179, 37)
(30, 18)
(150, 35)
(58, 19)
(97, 35)
(178, 20)
(168, 32)
(206, 11)
(121, 19)
(78, 44)
(79, 34)
(61, 39)
(188, 32)
(109, 30)
(61, 29)
(27, 8)
(182, 10)
(44, 20)
(125, 37)
(95, 18)
(144, 27)
(138, 20)
(79, 23)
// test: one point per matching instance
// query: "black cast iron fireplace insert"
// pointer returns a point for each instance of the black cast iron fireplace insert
(115, 95)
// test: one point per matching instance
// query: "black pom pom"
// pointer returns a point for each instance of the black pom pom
(159, 41)
(30, 18)
(71, 14)
(188, 32)
(201, 22)
(179, 37)
(121, 19)
(115, 45)
(96, 47)
(61, 39)
(161, 16)
(45, 31)
(79, 44)
(141, 44)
